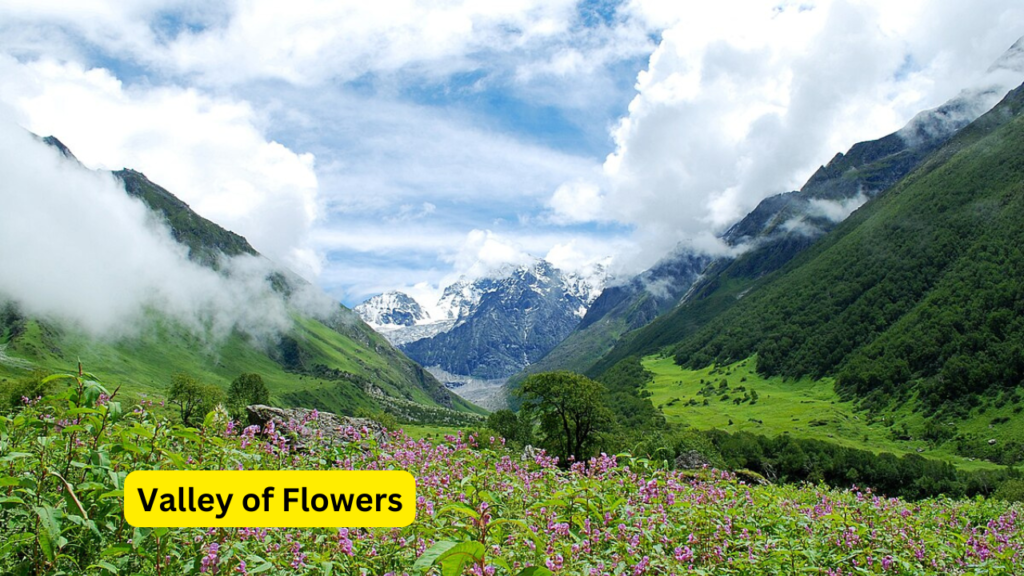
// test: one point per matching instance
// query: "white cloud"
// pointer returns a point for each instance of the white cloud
(104, 261)
(303, 41)
(210, 152)
(743, 100)
(738, 101)
(577, 201)
(836, 211)
(483, 252)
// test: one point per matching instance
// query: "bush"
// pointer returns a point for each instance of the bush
(246, 390)
(14, 393)
(193, 398)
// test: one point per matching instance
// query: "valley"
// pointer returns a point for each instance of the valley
(803, 408)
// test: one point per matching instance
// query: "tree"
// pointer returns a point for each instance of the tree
(246, 390)
(193, 398)
(569, 410)
(509, 426)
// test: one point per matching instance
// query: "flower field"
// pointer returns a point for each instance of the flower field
(482, 509)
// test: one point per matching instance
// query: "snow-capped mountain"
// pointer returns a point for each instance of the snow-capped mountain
(392, 310)
(506, 322)
(491, 327)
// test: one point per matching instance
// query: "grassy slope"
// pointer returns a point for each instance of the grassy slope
(879, 264)
(339, 364)
(145, 364)
(927, 272)
(803, 408)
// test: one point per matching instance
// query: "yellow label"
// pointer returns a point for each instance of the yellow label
(269, 498)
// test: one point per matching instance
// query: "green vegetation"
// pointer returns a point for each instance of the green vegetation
(342, 367)
(334, 363)
(480, 508)
(511, 427)
(899, 331)
(206, 241)
(193, 398)
(246, 390)
(569, 410)
(803, 408)
(916, 292)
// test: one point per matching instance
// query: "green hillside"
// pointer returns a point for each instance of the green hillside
(914, 300)
(334, 363)
(313, 366)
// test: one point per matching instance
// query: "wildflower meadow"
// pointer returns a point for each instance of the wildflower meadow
(482, 508)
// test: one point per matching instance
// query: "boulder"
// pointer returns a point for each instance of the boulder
(305, 422)
(692, 460)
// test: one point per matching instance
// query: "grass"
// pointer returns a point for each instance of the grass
(143, 364)
(804, 408)
(429, 431)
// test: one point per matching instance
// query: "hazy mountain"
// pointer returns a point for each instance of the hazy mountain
(329, 359)
(784, 225)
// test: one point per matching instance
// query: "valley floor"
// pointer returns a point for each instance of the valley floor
(804, 408)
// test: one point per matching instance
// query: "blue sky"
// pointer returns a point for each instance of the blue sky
(401, 144)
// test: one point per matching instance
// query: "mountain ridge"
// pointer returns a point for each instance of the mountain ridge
(333, 362)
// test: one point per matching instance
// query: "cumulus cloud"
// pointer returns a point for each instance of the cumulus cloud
(577, 201)
(76, 248)
(485, 252)
(741, 101)
(208, 151)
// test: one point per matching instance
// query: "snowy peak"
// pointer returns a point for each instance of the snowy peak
(391, 309)
(460, 299)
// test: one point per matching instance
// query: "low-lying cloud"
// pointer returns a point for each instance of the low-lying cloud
(208, 150)
(76, 249)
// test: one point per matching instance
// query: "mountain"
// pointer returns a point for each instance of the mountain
(487, 329)
(329, 360)
(784, 225)
(913, 304)
(618, 310)
(391, 309)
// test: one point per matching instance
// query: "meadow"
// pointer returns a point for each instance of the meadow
(481, 508)
(801, 408)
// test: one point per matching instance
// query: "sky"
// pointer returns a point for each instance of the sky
(372, 146)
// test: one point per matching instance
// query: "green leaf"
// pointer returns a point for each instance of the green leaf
(187, 433)
(141, 431)
(453, 561)
(176, 459)
(431, 554)
(106, 566)
(49, 530)
(116, 550)
(77, 411)
(461, 509)
(15, 456)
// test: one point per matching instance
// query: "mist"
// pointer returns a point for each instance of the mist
(77, 250)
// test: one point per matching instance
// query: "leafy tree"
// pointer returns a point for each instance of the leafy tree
(510, 427)
(193, 398)
(246, 390)
(569, 409)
